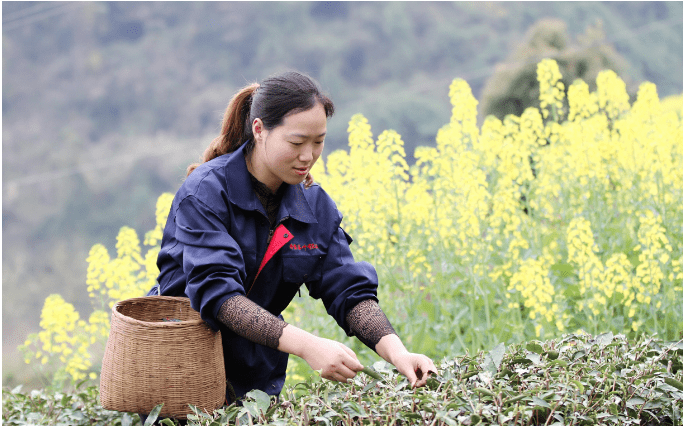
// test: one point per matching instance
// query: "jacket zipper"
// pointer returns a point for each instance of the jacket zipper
(272, 230)
(270, 237)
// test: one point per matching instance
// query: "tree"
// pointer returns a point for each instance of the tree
(514, 87)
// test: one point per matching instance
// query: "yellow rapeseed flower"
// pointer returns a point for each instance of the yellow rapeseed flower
(612, 95)
(551, 88)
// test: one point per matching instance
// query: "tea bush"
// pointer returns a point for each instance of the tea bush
(574, 380)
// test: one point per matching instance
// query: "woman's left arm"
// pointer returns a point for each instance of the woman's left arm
(368, 322)
(349, 291)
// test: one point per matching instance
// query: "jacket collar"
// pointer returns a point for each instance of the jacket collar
(241, 193)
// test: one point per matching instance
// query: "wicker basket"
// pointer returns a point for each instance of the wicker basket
(149, 361)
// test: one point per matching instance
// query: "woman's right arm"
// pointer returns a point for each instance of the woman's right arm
(334, 360)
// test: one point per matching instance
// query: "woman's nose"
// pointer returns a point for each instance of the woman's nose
(306, 154)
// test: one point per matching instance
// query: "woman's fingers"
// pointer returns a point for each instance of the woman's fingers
(349, 351)
(416, 368)
(411, 376)
(353, 362)
(334, 360)
(339, 373)
(347, 368)
(425, 367)
(421, 378)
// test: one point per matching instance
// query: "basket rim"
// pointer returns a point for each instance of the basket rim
(134, 321)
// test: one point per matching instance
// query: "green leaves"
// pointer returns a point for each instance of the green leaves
(538, 402)
(40, 407)
(604, 339)
(153, 415)
(673, 382)
(372, 373)
(494, 358)
(534, 347)
(576, 380)
(256, 403)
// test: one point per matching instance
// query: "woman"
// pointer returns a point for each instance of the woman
(247, 228)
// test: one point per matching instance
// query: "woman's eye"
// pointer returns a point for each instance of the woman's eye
(320, 142)
(297, 143)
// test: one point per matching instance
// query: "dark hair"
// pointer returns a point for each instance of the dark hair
(271, 101)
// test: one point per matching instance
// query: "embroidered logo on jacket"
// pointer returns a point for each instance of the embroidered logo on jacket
(310, 246)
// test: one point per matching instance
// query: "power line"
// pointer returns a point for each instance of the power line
(71, 171)
(652, 26)
(31, 10)
(623, 35)
(486, 71)
(29, 15)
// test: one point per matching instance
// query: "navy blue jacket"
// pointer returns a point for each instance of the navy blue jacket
(213, 244)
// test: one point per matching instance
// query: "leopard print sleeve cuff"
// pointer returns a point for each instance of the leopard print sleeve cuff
(369, 323)
(251, 321)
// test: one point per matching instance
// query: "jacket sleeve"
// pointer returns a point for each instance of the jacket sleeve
(344, 282)
(212, 260)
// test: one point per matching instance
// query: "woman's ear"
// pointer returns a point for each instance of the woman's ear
(257, 129)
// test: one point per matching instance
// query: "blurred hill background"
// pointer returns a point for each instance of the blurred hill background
(104, 104)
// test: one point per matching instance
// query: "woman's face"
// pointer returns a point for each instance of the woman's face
(287, 152)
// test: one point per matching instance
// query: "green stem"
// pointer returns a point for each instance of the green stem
(458, 335)
(475, 336)
(555, 117)
(487, 311)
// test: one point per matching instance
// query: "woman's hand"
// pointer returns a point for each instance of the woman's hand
(334, 360)
(415, 367)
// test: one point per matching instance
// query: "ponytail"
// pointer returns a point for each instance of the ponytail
(235, 129)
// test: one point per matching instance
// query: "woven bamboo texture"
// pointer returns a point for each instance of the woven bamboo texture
(149, 361)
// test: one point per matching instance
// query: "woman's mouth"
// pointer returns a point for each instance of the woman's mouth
(301, 171)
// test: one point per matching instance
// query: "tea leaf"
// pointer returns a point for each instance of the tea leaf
(534, 347)
(126, 420)
(604, 339)
(370, 372)
(673, 382)
(539, 402)
(261, 398)
(153, 415)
